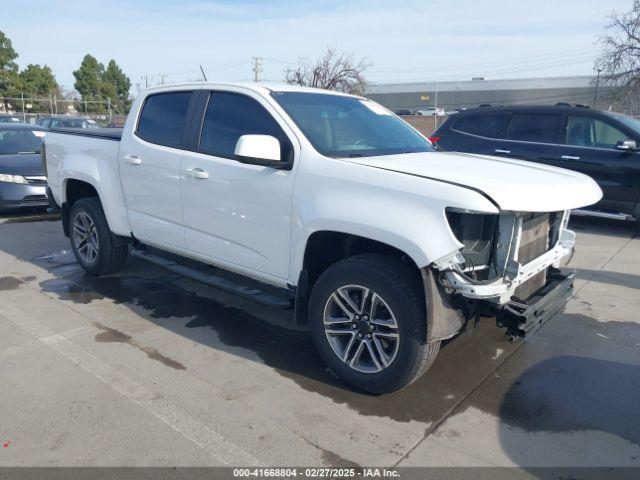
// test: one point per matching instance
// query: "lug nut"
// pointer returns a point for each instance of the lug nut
(359, 335)
(368, 335)
(354, 326)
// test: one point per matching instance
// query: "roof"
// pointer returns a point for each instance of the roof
(585, 81)
(261, 87)
(21, 126)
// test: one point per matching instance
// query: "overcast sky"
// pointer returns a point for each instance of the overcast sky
(405, 40)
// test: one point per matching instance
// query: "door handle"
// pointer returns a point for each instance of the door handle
(133, 160)
(504, 152)
(569, 157)
(197, 173)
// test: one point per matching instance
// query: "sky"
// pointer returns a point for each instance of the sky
(405, 40)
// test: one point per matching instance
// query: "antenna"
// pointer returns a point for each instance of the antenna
(203, 74)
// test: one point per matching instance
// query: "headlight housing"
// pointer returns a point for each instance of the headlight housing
(4, 177)
(477, 232)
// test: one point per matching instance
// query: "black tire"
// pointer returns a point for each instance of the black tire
(111, 256)
(401, 288)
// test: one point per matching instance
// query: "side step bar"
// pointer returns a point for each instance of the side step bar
(594, 213)
(285, 301)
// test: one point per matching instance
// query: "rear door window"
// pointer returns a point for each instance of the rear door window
(487, 125)
(163, 118)
(231, 115)
(590, 132)
(536, 127)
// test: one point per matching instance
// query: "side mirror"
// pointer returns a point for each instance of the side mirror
(261, 150)
(627, 145)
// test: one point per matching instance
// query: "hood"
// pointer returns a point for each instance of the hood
(27, 164)
(512, 184)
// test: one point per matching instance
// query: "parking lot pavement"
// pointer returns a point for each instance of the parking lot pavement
(146, 368)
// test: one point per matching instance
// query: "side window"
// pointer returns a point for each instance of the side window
(536, 127)
(590, 132)
(45, 123)
(231, 115)
(163, 117)
(488, 125)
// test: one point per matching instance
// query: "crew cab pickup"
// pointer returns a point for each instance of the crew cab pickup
(327, 204)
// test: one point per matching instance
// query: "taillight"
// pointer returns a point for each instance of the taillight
(434, 139)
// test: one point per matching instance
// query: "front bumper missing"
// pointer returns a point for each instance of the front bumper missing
(521, 319)
(501, 290)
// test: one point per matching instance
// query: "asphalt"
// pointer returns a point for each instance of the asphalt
(144, 368)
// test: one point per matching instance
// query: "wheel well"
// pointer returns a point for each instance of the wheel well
(325, 248)
(74, 190)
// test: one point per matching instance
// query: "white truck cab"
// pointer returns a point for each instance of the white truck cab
(326, 203)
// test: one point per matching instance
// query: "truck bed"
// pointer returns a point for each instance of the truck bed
(105, 133)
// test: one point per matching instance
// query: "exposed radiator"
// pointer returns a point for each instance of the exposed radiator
(534, 241)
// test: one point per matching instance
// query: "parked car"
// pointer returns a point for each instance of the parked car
(407, 112)
(10, 119)
(67, 122)
(603, 145)
(327, 204)
(432, 112)
(22, 179)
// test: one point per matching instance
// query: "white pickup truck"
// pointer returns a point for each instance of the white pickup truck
(325, 203)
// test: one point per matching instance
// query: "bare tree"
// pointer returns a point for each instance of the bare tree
(620, 59)
(332, 71)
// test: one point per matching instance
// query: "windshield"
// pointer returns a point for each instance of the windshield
(630, 122)
(340, 126)
(15, 142)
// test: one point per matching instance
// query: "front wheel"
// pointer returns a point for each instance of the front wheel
(368, 322)
(92, 242)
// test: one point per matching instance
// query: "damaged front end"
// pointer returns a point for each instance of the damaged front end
(508, 267)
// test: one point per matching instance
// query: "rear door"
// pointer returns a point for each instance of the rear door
(149, 161)
(591, 147)
(531, 136)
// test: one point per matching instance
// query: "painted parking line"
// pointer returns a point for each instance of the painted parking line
(204, 437)
(40, 342)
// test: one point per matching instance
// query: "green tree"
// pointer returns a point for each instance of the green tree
(37, 81)
(94, 82)
(9, 78)
(116, 82)
(89, 83)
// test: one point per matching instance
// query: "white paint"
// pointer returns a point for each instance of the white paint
(35, 344)
(206, 438)
(499, 352)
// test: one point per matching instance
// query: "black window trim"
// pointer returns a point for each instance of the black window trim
(182, 144)
(197, 127)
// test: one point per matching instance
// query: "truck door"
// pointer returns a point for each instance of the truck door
(238, 215)
(149, 164)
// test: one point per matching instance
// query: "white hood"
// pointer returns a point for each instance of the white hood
(514, 185)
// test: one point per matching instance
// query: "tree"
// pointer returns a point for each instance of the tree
(89, 83)
(94, 82)
(9, 79)
(37, 81)
(332, 71)
(119, 84)
(620, 59)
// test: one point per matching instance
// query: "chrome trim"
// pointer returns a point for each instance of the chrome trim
(625, 217)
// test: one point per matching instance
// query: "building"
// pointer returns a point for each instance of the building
(472, 93)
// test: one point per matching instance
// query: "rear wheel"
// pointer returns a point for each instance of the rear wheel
(368, 322)
(93, 243)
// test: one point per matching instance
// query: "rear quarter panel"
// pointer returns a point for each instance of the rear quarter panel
(91, 160)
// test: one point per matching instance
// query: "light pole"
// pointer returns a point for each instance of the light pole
(595, 93)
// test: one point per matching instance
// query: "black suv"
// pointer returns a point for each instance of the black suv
(603, 145)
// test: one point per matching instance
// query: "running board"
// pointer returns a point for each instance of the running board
(283, 301)
(594, 213)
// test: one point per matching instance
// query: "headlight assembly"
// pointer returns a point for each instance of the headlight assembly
(476, 231)
(12, 178)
